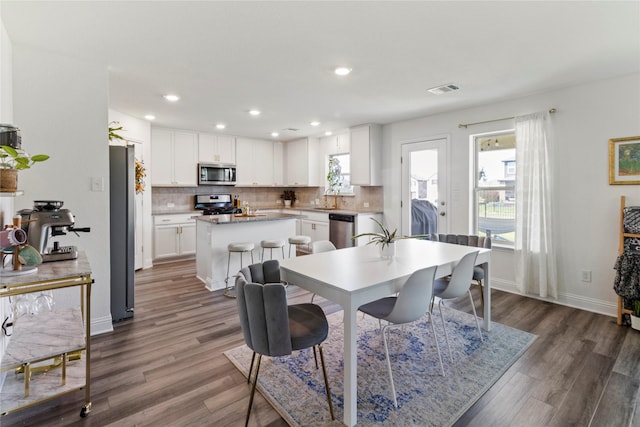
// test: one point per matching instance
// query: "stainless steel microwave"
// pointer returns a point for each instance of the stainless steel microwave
(216, 174)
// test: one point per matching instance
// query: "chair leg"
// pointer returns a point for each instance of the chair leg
(475, 316)
(386, 352)
(253, 390)
(446, 336)
(253, 358)
(481, 292)
(315, 357)
(326, 381)
(282, 247)
(312, 297)
(435, 339)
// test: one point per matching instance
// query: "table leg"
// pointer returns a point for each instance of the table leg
(350, 366)
(487, 297)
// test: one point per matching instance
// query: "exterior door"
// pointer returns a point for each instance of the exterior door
(424, 187)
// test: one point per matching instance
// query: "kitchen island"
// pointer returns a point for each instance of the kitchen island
(215, 232)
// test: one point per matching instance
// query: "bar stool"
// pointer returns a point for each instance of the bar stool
(271, 245)
(240, 248)
(298, 241)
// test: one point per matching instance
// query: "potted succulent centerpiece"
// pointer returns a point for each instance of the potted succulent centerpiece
(635, 316)
(13, 160)
(386, 239)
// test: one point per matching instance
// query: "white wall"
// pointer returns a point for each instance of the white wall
(587, 207)
(60, 105)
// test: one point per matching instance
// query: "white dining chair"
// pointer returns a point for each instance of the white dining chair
(410, 305)
(455, 286)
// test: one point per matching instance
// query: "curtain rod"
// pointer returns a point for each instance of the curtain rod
(464, 125)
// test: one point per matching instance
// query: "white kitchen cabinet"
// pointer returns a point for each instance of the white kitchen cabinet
(278, 163)
(364, 224)
(315, 225)
(337, 144)
(174, 158)
(366, 155)
(216, 149)
(174, 235)
(302, 165)
(254, 162)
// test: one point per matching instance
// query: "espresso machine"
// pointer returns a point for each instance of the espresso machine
(46, 220)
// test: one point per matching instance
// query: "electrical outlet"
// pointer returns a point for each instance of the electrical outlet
(97, 183)
(586, 276)
(171, 205)
(366, 204)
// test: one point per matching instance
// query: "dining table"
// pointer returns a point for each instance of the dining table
(355, 276)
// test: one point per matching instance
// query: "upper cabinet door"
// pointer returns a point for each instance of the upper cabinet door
(185, 157)
(174, 158)
(216, 148)
(161, 157)
(302, 162)
(366, 155)
(255, 162)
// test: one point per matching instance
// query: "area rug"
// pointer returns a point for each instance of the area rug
(296, 390)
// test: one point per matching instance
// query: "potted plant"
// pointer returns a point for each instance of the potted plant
(635, 316)
(289, 197)
(11, 161)
(386, 239)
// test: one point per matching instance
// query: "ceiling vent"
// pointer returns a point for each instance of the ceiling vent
(291, 129)
(439, 90)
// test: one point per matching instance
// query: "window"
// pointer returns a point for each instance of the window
(494, 186)
(343, 161)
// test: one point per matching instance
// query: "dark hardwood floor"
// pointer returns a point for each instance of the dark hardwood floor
(166, 366)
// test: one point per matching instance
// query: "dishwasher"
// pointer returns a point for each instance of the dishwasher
(341, 230)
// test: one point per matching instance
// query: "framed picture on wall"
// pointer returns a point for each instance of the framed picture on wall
(624, 160)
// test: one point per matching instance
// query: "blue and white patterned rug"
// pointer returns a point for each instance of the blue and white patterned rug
(295, 388)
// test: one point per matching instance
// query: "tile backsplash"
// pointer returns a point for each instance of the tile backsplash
(180, 199)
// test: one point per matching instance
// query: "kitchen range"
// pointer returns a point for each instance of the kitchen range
(216, 204)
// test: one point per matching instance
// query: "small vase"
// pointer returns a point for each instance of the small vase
(388, 250)
(287, 203)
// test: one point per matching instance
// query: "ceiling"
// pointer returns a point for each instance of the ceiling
(225, 58)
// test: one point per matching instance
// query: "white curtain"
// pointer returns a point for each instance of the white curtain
(534, 249)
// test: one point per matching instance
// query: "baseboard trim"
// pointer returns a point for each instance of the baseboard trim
(570, 300)
(101, 325)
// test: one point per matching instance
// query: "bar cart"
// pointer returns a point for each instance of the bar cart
(48, 354)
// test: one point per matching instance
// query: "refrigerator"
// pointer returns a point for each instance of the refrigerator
(122, 230)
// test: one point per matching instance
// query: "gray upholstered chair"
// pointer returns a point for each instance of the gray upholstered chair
(456, 286)
(410, 305)
(273, 328)
(468, 240)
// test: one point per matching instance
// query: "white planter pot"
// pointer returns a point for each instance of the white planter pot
(388, 251)
(635, 322)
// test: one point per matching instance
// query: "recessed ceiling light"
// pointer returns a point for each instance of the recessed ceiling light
(171, 97)
(150, 117)
(254, 112)
(328, 133)
(342, 71)
(315, 123)
(221, 126)
(274, 134)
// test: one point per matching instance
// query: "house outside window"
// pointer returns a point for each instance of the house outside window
(494, 186)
